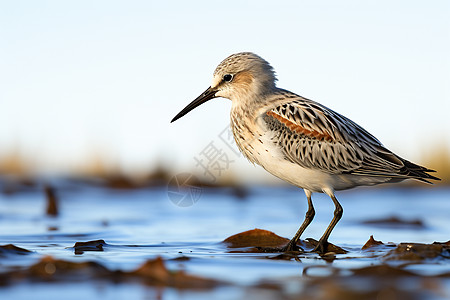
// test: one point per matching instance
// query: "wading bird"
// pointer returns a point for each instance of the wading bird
(300, 140)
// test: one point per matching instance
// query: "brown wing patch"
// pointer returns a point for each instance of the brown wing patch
(299, 129)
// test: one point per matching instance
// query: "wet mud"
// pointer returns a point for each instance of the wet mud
(152, 272)
(92, 237)
(394, 221)
(264, 241)
(383, 280)
(11, 249)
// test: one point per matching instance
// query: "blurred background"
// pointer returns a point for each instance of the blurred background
(89, 88)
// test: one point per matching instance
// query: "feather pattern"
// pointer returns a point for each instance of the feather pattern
(314, 136)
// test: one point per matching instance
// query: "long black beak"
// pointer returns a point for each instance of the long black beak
(204, 97)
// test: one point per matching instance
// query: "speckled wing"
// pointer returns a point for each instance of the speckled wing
(315, 136)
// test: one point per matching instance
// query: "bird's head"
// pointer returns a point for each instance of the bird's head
(239, 77)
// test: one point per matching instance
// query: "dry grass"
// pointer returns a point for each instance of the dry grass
(13, 163)
(97, 165)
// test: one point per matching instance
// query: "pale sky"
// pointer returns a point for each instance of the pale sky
(108, 76)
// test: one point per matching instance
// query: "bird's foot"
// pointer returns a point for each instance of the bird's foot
(291, 247)
(324, 247)
(321, 247)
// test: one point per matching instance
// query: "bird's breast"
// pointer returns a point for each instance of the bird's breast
(255, 140)
(246, 133)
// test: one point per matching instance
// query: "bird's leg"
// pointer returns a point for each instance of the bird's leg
(322, 246)
(292, 245)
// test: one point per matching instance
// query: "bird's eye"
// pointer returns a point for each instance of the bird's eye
(227, 77)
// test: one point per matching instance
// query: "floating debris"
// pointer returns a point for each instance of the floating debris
(96, 245)
(371, 243)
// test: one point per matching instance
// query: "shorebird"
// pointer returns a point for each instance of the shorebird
(299, 140)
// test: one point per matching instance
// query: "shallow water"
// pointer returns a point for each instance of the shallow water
(142, 224)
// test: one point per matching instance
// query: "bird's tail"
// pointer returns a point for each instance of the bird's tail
(414, 171)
